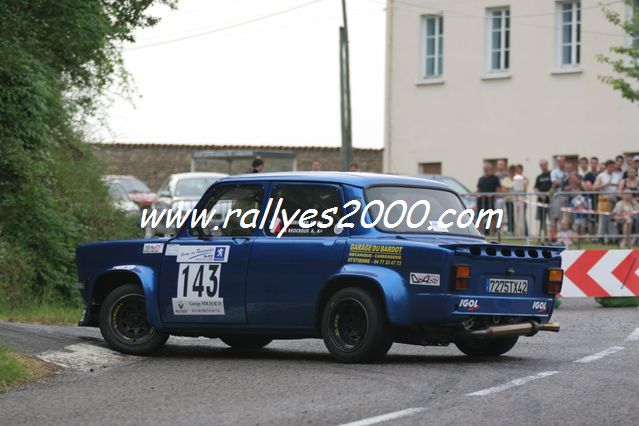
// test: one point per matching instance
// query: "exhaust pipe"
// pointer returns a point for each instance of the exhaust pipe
(529, 328)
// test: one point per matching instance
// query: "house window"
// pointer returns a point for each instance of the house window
(498, 40)
(434, 46)
(430, 168)
(569, 34)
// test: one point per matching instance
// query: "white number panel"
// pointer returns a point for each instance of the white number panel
(198, 290)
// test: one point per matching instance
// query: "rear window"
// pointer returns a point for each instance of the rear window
(439, 201)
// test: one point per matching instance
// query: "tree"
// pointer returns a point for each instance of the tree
(57, 57)
(625, 58)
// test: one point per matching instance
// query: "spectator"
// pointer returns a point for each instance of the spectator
(543, 184)
(316, 166)
(354, 167)
(565, 235)
(593, 172)
(521, 185)
(557, 200)
(501, 171)
(630, 183)
(626, 212)
(629, 163)
(558, 175)
(488, 183)
(587, 184)
(578, 204)
(635, 159)
(619, 165)
(520, 171)
(606, 182)
(583, 170)
(507, 185)
(257, 166)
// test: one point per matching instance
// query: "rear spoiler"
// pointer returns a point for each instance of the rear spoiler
(506, 251)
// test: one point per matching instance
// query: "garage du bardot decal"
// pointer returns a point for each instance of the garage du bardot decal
(421, 278)
(375, 254)
(198, 280)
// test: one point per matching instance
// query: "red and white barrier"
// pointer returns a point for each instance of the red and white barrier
(600, 273)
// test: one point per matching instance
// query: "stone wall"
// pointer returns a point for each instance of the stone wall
(153, 163)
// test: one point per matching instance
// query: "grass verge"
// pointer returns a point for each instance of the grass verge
(16, 369)
(42, 314)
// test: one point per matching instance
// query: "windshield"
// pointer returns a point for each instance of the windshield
(193, 187)
(133, 185)
(419, 201)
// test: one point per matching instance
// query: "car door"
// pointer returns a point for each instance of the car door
(286, 274)
(203, 277)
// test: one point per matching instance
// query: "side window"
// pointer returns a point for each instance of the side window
(233, 201)
(297, 199)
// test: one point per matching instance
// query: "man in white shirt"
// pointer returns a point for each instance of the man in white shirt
(606, 181)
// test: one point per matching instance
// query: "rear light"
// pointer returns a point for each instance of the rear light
(554, 279)
(461, 277)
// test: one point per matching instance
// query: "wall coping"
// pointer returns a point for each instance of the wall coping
(297, 148)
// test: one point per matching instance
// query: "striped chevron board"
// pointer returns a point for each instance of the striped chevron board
(600, 273)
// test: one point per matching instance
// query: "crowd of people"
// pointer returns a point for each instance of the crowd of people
(593, 199)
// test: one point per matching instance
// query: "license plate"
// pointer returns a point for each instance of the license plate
(500, 285)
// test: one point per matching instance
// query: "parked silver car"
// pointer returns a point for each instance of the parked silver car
(181, 191)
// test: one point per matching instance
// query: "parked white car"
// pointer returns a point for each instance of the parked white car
(182, 191)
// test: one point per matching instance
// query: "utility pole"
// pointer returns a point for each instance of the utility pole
(345, 93)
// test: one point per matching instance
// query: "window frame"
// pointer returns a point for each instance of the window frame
(575, 32)
(438, 53)
(505, 44)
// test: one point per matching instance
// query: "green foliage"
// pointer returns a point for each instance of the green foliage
(624, 59)
(11, 371)
(56, 59)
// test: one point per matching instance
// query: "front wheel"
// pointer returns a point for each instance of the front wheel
(355, 327)
(246, 342)
(123, 322)
(486, 347)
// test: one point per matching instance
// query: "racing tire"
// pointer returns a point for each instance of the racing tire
(124, 325)
(486, 347)
(246, 342)
(354, 326)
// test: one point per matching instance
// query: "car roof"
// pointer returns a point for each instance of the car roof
(348, 178)
(197, 175)
(119, 177)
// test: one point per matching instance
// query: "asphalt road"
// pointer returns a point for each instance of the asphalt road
(586, 374)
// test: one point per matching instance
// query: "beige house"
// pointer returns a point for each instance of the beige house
(475, 80)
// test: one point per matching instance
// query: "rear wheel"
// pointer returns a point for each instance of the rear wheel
(246, 341)
(123, 322)
(486, 347)
(355, 327)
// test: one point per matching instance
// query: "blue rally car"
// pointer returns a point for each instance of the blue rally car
(351, 279)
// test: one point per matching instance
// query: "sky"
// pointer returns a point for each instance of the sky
(274, 81)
